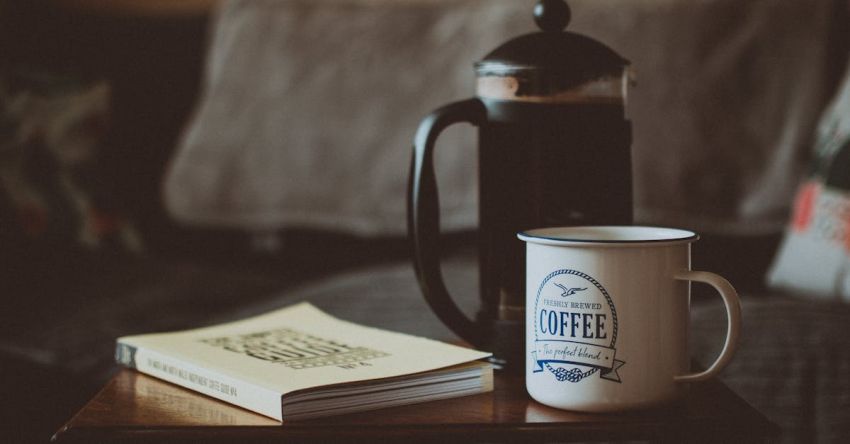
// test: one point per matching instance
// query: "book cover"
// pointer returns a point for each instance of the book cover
(299, 362)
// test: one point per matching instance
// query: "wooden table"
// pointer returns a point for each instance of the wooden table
(137, 408)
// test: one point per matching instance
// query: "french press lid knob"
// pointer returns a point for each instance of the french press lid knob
(552, 66)
(552, 15)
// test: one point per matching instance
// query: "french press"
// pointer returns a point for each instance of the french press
(554, 150)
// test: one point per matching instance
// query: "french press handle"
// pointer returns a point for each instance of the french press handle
(423, 215)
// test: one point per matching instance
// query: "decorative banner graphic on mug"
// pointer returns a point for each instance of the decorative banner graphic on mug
(575, 328)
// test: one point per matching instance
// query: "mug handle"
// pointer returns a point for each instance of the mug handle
(733, 329)
(423, 214)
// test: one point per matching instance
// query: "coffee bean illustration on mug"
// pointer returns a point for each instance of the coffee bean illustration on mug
(575, 328)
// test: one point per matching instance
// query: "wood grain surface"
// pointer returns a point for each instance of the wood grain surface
(137, 408)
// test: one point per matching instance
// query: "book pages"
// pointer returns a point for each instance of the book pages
(301, 347)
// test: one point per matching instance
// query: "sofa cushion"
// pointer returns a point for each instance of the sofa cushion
(792, 363)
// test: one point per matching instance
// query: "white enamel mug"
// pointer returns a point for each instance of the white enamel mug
(607, 314)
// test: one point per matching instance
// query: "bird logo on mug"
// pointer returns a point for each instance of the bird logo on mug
(575, 328)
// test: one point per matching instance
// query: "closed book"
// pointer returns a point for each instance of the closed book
(299, 362)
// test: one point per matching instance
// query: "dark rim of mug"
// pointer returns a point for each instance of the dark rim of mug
(686, 235)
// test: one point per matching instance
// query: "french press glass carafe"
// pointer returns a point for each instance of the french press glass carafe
(554, 150)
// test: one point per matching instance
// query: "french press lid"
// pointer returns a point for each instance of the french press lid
(553, 66)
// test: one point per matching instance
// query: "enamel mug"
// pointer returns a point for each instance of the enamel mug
(607, 314)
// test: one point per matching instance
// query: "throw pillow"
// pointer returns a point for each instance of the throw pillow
(52, 124)
(815, 255)
(309, 108)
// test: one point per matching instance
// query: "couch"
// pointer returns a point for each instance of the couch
(150, 261)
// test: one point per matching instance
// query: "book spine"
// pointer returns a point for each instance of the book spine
(208, 382)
